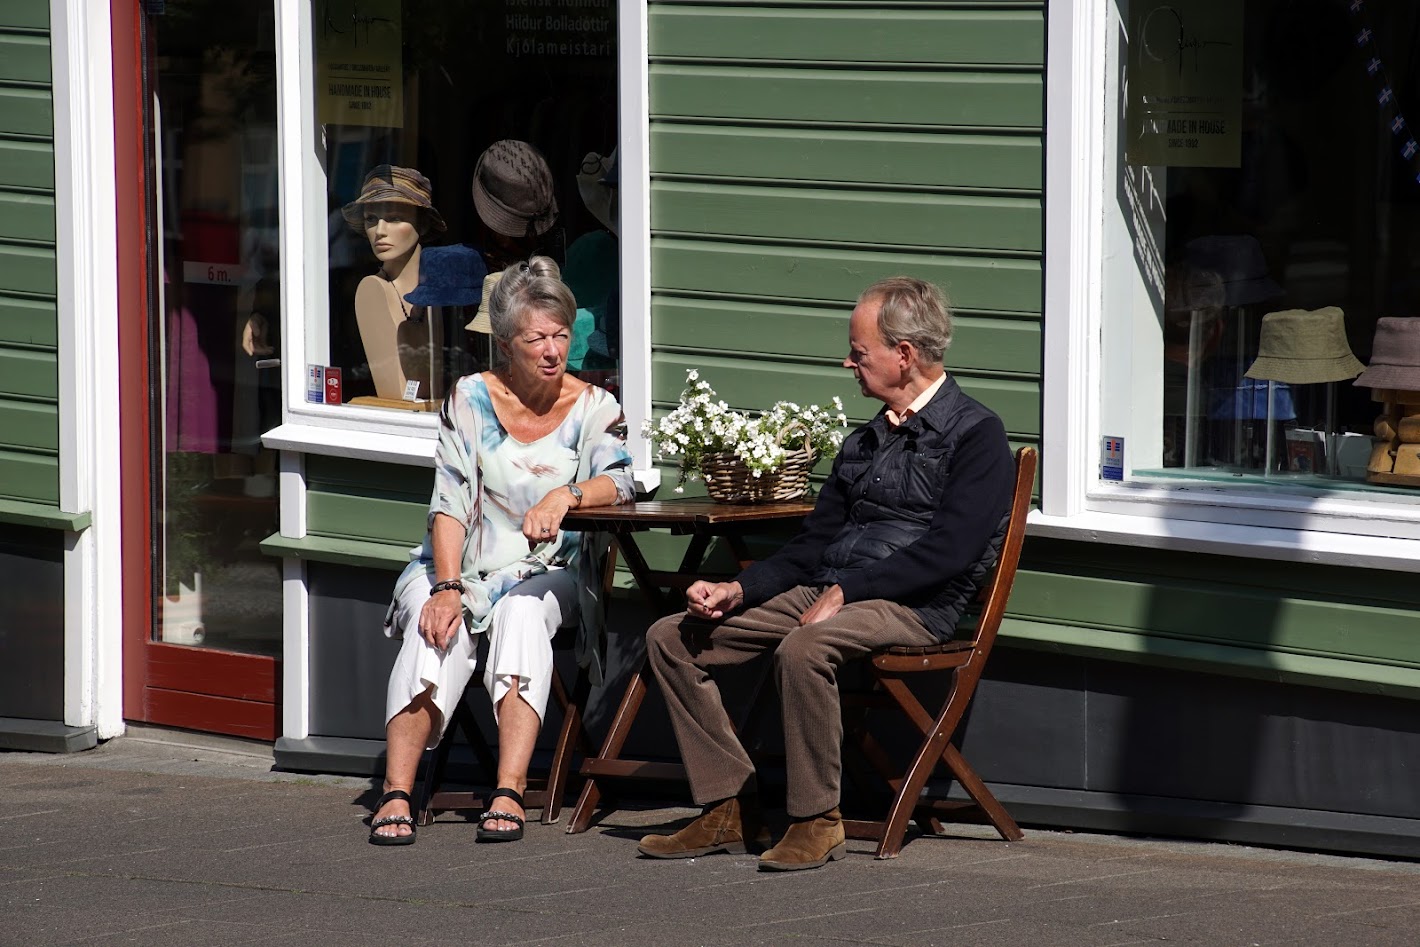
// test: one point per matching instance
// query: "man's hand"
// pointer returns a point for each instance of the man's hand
(441, 617)
(713, 599)
(825, 607)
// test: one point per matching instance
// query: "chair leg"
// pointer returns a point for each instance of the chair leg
(936, 747)
(562, 754)
(611, 749)
(437, 759)
(1000, 819)
(908, 795)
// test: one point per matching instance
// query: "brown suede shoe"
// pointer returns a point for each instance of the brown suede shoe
(722, 827)
(809, 843)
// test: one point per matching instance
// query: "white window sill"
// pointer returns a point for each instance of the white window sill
(414, 449)
(1232, 539)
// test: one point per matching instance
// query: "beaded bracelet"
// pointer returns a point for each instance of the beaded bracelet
(446, 585)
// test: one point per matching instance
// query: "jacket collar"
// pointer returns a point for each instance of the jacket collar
(933, 416)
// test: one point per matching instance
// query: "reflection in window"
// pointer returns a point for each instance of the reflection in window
(460, 137)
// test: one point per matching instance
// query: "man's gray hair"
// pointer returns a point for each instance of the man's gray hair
(534, 286)
(915, 311)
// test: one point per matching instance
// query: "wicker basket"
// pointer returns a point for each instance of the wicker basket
(728, 480)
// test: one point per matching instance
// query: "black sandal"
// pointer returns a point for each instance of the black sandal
(376, 838)
(501, 835)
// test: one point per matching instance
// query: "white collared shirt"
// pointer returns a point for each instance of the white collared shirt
(918, 403)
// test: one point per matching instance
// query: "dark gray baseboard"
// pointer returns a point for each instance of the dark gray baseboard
(45, 736)
(1275, 826)
(349, 756)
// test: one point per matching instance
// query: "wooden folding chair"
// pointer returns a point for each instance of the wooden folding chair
(965, 659)
(544, 792)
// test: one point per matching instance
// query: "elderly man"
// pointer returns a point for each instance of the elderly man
(909, 522)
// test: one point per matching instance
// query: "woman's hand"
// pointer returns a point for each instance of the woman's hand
(440, 619)
(542, 523)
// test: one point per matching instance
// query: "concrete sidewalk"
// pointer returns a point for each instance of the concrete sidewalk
(158, 838)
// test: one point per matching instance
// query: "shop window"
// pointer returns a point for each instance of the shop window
(1262, 248)
(456, 138)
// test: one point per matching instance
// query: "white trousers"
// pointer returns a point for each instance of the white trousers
(520, 632)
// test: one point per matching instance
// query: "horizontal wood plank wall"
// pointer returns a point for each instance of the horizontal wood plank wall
(366, 502)
(29, 375)
(1157, 603)
(800, 151)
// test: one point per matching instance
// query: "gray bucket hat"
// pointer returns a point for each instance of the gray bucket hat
(1304, 347)
(1395, 355)
(512, 189)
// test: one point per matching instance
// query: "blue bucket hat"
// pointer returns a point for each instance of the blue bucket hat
(449, 276)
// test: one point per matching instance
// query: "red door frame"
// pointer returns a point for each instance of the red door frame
(171, 685)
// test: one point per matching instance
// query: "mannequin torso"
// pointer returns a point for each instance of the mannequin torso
(402, 343)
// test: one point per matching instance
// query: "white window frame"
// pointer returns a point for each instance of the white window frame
(410, 437)
(1082, 253)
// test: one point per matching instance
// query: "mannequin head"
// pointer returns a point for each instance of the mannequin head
(393, 229)
(394, 212)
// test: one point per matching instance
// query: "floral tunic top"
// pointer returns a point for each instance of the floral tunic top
(488, 480)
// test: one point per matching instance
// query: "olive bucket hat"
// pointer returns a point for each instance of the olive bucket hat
(1304, 347)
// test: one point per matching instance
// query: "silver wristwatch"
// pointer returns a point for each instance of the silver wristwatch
(576, 493)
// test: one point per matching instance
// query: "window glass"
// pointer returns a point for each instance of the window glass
(1268, 179)
(459, 137)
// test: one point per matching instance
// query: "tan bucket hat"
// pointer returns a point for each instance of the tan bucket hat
(481, 321)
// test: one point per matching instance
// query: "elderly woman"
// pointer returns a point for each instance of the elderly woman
(519, 446)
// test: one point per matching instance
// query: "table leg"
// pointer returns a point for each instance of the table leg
(641, 572)
(611, 749)
(740, 550)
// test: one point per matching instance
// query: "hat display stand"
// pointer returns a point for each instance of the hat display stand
(1395, 450)
(1304, 348)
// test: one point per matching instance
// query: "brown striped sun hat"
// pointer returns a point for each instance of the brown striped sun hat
(389, 184)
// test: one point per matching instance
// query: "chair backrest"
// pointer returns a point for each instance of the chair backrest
(997, 590)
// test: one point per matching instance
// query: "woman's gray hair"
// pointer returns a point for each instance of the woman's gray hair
(915, 311)
(534, 286)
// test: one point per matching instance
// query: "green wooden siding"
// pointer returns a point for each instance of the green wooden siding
(29, 375)
(366, 502)
(800, 151)
(1354, 629)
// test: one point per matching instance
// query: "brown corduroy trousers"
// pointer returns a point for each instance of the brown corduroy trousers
(682, 650)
